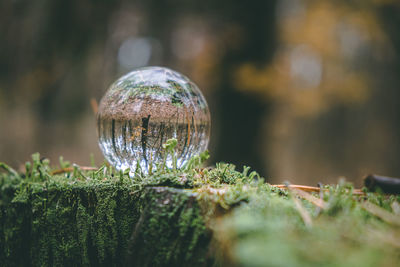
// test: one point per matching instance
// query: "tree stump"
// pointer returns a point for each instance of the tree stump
(104, 225)
(218, 217)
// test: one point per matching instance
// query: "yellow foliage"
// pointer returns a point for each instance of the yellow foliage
(317, 64)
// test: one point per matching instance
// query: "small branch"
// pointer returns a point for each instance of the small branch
(307, 196)
(71, 169)
(313, 188)
(388, 185)
(321, 197)
(302, 211)
(381, 213)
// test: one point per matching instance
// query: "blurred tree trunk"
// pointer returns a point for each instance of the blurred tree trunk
(241, 120)
(239, 116)
(390, 18)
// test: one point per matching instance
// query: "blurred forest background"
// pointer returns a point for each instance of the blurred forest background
(300, 90)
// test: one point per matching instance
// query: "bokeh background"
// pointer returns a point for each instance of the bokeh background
(300, 90)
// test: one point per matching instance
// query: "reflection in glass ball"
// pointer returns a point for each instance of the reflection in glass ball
(145, 108)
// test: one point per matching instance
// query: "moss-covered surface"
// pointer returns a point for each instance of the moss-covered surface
(269, 230)
(171, 231)
(187, 217)
(64, 222)
(98, 218)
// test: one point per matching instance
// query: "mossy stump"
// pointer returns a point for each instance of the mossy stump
(193, 217)
(171, 231)
(107, 225)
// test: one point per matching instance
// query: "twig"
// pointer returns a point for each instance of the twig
(313, 188)
(71, 169)
(303, 212)
(307, 196)
(321, 197)
(390, 185)
(381, 213)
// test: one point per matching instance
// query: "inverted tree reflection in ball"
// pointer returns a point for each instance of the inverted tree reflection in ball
(145, 108)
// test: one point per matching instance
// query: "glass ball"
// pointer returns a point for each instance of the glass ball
(145, 108)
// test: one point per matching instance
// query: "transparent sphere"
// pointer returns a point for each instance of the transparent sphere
(145, 108)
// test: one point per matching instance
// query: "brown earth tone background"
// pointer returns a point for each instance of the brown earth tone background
(300, 90)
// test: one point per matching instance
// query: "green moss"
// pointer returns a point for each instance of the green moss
(170, 218)
(268, 230)
(170, 231)
(94, 217)
(65, 220)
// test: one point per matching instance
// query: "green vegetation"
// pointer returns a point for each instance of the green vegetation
(271, 231)
(70, 219)
(71, 215)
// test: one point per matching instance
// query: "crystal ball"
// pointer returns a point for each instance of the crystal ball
(142, 110)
